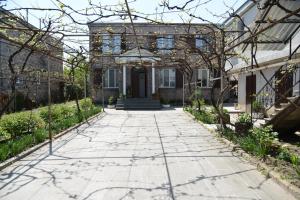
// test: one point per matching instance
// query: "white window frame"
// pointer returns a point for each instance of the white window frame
(199, 78)
(111, 44)
(107, 77)
(162, 78)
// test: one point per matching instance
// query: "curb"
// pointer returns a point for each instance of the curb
(295, 191)
(29, 151)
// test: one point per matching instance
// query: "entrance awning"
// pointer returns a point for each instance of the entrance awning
(136, 56)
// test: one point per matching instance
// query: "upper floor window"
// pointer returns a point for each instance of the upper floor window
(203, 78)
(110, 78)
(111, 44)
(167, 78)
(203, 43)
(165, 42)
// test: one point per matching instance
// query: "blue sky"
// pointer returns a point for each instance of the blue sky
(150, 8)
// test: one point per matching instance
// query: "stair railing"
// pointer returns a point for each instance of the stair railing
(267, 94)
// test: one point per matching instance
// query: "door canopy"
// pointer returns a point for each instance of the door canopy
(137, 56)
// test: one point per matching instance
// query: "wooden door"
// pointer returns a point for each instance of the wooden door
(142, 84)
(139, 83)
(250, 89)
(135, 83)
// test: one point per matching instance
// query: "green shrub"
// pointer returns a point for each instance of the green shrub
(63, 115)
(111, 100)
(294, 159)
(257, 106)
(40, 136)
(248, 144)
(20, 123)
(58, 112)
(3, 134)
(244, 118)
(264, 138)
(230, 134)
(205, 116)
(284, 154)
(23, 143)
(4, 152)
(86, 104)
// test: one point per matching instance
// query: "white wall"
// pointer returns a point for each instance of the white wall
(260, 83)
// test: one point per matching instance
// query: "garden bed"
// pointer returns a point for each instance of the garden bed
(22, 130)
(263, 145)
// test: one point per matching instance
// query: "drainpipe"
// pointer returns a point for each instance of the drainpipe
(183, 86)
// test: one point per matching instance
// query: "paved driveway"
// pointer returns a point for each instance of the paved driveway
(137, 155)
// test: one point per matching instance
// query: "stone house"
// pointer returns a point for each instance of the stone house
(32, 83)
(150, 61)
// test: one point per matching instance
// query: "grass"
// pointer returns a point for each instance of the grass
(65, 116)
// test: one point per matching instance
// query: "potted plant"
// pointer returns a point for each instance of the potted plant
(111, 101)
(243, 124)
(258, 110)
(165, 103)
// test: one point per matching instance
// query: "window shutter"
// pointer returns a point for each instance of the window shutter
(97, 76)
(179, 80)
(96, 43)
(191, 41)
(123, 42)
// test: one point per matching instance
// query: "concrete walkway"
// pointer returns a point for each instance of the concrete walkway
(137, 155)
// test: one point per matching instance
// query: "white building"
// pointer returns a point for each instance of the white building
(276, 51)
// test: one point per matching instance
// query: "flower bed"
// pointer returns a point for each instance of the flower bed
(261, 143)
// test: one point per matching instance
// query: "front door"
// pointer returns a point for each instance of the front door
(250, 90)
(138, 83)
(142, 84)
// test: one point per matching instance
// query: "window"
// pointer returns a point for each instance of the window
(203, 43)
(167, 78)
(116, 44)
(165, 42)
(111, 44)
(110, 78)
(203, 78)
(240, 27)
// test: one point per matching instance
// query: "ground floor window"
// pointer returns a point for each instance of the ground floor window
(167, 78)
(203, 78)
(110, 78)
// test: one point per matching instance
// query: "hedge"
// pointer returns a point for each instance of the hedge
(19, 131)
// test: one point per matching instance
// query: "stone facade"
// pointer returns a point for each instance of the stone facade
(32, 83)
(173, 51)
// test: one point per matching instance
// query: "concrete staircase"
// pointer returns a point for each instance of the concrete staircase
(286, 118)
(138, 104)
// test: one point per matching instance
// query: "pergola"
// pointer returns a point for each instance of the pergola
(137, 57)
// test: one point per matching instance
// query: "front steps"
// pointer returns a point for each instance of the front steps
(138, 104)
(286, 118)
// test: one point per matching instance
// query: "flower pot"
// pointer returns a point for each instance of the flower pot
(242, 128)
(110, 106)
(226, 119)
